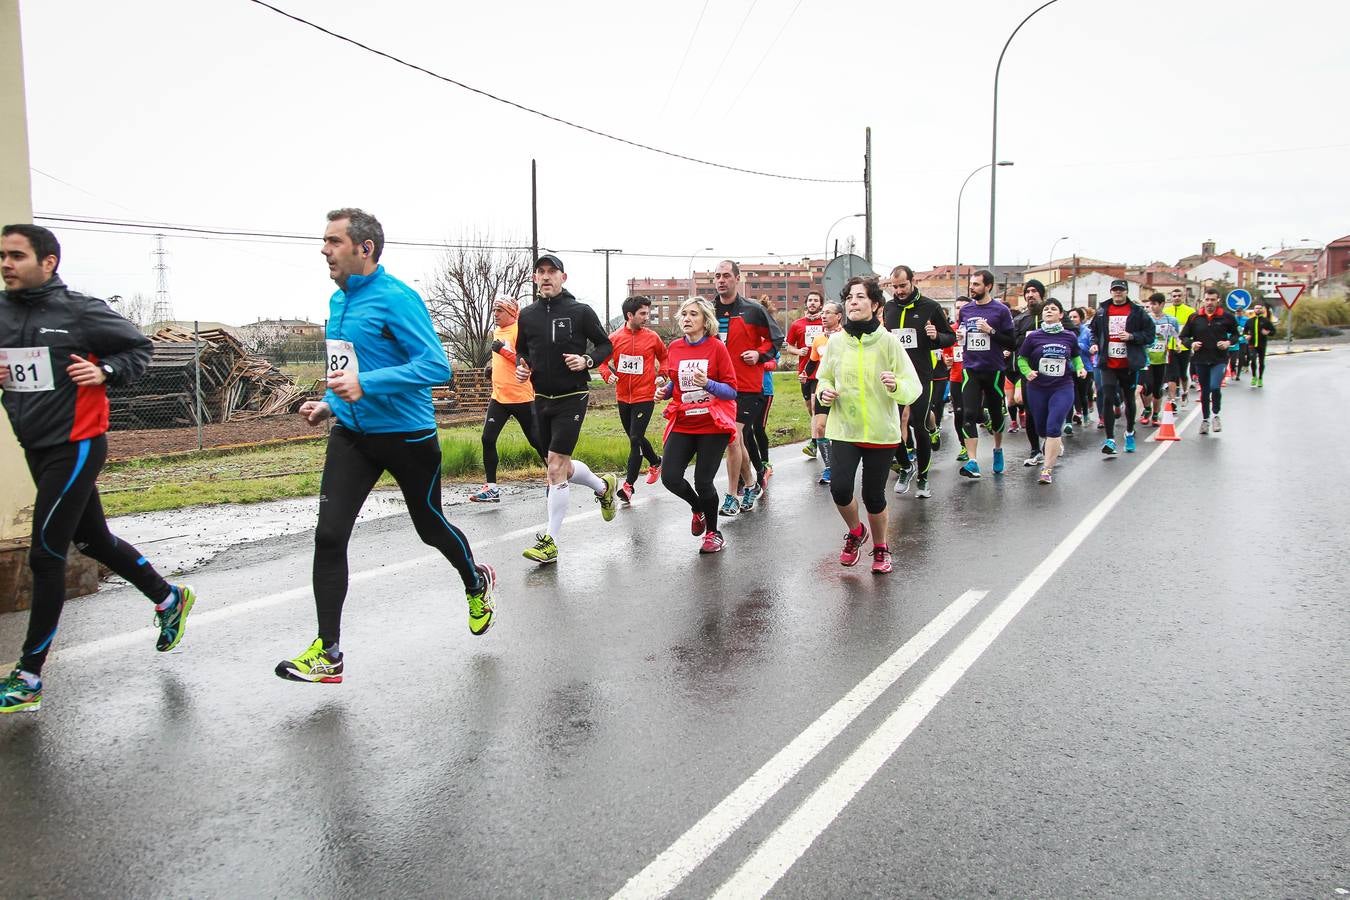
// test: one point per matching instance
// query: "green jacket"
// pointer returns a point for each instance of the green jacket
(865, 412)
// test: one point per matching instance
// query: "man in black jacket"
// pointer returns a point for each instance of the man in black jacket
(58, 351)
(1208, 334)
(551, 352)
(1121, 333)
(1027, 321)
(1259, 330)
(923, 330)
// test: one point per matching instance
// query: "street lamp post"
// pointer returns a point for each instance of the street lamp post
(1054, 246)
(607, 251)
(693, 288)
(832, 227)
(956, 270)
(993, 153)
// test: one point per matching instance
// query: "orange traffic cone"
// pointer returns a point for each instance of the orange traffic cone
(1167, 431)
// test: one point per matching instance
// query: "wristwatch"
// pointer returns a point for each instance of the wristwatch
(107, 371)
(590, 363)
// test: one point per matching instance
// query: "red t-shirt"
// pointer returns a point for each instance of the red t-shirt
(1117, 351)
(636, 359)
(800, 335)
(696, 410)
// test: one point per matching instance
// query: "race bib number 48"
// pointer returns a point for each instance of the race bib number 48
(30, 369)
(909, 338)
(342, 357)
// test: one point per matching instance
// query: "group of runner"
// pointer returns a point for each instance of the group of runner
(876, 373)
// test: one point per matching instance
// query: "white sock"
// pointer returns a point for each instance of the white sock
(557, 508)
(29, 678)
(491, 485)
(581, 474)
(169, 601)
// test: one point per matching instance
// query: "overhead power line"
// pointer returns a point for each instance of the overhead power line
(545, 115)
(684, 58)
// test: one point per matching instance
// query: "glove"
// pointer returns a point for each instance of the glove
(497, 345)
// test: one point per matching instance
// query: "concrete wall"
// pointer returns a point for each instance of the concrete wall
(16, 205)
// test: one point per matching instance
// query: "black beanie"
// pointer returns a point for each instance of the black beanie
(1033, 283)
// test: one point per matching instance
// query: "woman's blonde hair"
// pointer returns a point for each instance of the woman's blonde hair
(704, 307)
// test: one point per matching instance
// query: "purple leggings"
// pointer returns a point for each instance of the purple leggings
(1049, 406)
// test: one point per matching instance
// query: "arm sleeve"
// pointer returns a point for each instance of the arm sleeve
(115, 341)
(946, 337)
(522, 342)
(426, 366)
(825, 371)
(1077, 363)
(508, 354)
(606, 364)
(601, 348)
(1145, 335)
(721, 374)
(1024, 365)
(907, 383)
(1187, 336)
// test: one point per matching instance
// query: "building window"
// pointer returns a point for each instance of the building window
(1092, 300)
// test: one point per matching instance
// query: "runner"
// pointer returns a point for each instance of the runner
(1121, 331)
(383, 358)
(632, 368)
(1165, 328)
(832, 316)
(800, 335)
(923, 331)
(60, 351)
(700, 380)
(1029, 320)
(552, 354)
(1259, 331)
(1082, 387)
(1050, 360)
(865, 378)
(510, 399)
(954, 355)
(751, 337)
(1178, 357)
(1208, 334)
(988, 329)
(760, 427)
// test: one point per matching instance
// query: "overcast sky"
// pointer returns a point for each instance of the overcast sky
(1137, 129)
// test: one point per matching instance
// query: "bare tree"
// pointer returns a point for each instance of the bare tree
(462, 287)
(136, 310)
(262, 337)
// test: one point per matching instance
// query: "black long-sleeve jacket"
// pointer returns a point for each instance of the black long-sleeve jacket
(908, 320)
(550, 327)
(53, 322)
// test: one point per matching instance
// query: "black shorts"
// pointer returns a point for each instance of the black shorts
(749, 408)
(808, 388)
(557, 421)
(1153, 378)
(1178, 365)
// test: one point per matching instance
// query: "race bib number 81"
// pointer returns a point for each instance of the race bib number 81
(30, 369)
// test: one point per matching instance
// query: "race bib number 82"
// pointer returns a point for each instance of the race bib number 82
(342, 357)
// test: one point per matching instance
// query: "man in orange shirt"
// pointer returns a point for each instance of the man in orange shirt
(510, 398)
(638, 355)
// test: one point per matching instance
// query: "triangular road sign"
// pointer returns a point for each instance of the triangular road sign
(1290, 293)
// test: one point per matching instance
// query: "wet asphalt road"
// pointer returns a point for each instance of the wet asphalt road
(1168, 715)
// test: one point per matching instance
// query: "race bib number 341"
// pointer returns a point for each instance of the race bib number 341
(30, 369)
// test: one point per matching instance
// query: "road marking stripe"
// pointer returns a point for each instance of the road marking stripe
(791, 839)
(665, 872)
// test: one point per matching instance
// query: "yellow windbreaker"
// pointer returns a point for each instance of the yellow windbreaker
(865, 412)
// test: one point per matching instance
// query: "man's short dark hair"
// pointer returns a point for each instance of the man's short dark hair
(1156, 297)
(633, 304)
(986, 276)
(909, 273)
(1211, 290)
(735, 266)
(817, 294)
(361, 227)
(44, 242)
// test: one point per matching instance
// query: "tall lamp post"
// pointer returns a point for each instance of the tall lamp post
(993, 154)
(693, 288)
(1054, 245)
(607, 251)
(956, 270)
(832, 227)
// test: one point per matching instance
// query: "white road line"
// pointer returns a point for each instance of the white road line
(665, 872)
(790, 840)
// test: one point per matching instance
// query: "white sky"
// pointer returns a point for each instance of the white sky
(1136, 129)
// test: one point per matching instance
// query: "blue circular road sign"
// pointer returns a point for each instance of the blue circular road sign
(1238, 300)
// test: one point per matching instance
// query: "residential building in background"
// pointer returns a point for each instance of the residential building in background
(1334, 260)
(1065, 269)
(1093, 288)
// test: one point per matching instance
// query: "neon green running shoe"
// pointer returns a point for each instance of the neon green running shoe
(480, 604)
(172, 623)
(314, 665)
(606, 500)
(17, 696)
(544, 550)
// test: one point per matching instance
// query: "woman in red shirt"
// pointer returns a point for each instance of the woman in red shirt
(700, 382)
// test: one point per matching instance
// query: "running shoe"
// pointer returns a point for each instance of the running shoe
(17, 695)
(1047, 476)
(748, 499)
(1258, 382)
(1155, 421)
(486, 495)
(654, 474)
(1013, 428)
(881, 560)
(698, 525)
(1034, 459)
(625, 493)
(480, 603)
(935, 439)
(853, 546)
(970, 470)
(544, 551)
(314, 665)
(712, 543)
(809, 450)
(730, 508)
(1129, 442)
(824, 476)
(903, 480)
(1109, 448)
(606, 500)
(963, 456)
(172, 622)
(1218, 423)
(998, 460)
(1101, 426)
(1143, 420)
(1068, 428)
(921, 490)
(1204, 426)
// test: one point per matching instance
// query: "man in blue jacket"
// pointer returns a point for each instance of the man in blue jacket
(383, 357)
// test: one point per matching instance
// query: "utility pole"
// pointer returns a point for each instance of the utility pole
(867, 200)
(534, 225)
(163, 306)
(607, 251)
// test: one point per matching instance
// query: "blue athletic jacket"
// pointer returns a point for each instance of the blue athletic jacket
(399, 357)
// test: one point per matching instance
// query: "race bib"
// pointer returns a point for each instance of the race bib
(1054, 368)
(630, 365)
(909, 338)
(958, 354)
(342, 357)
(977, 340)
(1158, 345)
(1117, 351)
(688, 367)
(30, 369)
(813, 332)
(691, 399)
